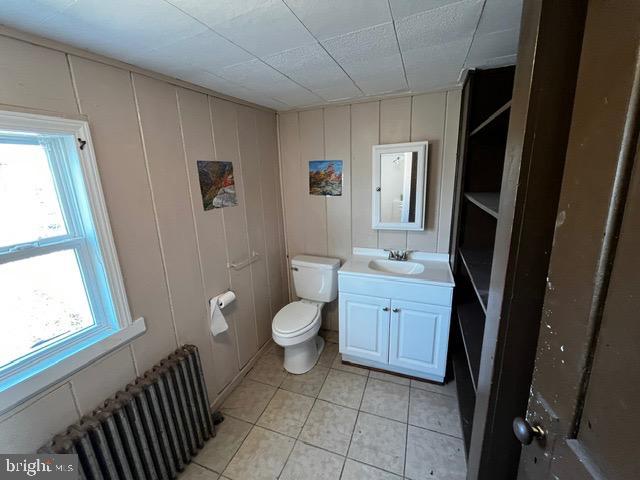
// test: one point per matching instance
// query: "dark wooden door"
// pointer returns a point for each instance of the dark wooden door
(585, 393)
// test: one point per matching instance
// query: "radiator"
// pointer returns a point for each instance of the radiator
(149, 430)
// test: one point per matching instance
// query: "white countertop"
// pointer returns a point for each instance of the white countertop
(436, 272)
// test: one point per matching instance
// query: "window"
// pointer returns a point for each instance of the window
(62, 301)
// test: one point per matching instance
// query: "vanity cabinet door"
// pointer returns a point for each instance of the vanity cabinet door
(364, 327)
(419, 335)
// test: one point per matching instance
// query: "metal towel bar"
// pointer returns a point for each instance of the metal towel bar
(240, 265)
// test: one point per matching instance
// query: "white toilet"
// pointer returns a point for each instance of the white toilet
(295, 327)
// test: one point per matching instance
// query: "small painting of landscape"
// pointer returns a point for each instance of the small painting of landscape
(216, 184)
(325, 177)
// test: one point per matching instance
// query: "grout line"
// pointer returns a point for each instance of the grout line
(406, 438)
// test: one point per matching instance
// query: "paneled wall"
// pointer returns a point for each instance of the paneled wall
(332, 226)
(148, 134)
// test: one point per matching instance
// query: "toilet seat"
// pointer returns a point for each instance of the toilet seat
(295, 319)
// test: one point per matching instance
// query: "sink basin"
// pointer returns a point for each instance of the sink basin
(394, 266)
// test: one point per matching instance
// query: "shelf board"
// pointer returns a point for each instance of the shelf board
(478, 265)
(466, 397)
(471, 324)
(492, 117)
(487, 201)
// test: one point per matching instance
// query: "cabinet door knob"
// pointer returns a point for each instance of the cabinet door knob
(525, 432)
(385, 309)
(396, 310)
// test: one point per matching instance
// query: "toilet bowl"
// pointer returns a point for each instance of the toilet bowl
(295, 327)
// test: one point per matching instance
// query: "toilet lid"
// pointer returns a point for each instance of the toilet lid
(294, 317)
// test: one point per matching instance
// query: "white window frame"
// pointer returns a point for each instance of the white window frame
(80, 194)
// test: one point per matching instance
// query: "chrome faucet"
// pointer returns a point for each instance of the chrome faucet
(398, 255)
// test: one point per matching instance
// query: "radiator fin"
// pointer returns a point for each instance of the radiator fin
(148, 431)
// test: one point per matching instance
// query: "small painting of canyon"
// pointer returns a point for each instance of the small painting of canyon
(217, 186)
(325, 177)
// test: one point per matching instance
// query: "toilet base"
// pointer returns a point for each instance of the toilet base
(301, 358)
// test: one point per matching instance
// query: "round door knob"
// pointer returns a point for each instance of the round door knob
(378, 189)
(385, 309)
(396, 310)
(524, 432)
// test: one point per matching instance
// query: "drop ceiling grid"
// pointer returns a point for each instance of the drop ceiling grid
(287, 53)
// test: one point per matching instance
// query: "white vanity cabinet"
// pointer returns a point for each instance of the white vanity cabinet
(395, 325)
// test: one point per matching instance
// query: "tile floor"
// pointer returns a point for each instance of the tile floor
(335, 422)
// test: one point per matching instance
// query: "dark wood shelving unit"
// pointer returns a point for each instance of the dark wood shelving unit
(492, 117)
(471, 331)
(487, 201)
(483, 136)
(477, 263)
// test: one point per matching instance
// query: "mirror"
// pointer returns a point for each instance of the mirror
(399, 184)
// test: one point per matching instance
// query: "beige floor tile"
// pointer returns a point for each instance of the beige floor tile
(261, 457)
(329, 336)
(219, 450)
(359, 471)
(343, 388)
(268, 369)
(390, 377)
(196, 472)
(308, 383)
(386, 399)
(434, 411)
(448, 388)
(330, 427)
(248, 400)
(379, 442)
(310, 463)
(434, 455)
(338, 365)
(286, 413)
(276, 350)
(328, 354)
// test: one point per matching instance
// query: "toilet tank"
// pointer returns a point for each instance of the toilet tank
(315, 278)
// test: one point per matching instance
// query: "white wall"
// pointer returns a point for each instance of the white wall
(148, 134)
(332, 226)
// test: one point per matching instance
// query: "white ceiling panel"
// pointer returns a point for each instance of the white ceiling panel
(330, 18)
(406, 8)
(120, 28)
(267, 28)
(312, 67)
(213, 12)
(255, 75)
(208, 50)
(436, 66)
(287, 53)
(500, 15)
(30, 15)
(439, 26)
(492, 45)
(337, 92)
(369, 53)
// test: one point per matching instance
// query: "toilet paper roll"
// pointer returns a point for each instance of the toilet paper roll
(226, 298)
(217, 322)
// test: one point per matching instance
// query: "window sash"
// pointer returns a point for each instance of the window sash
(80, 349)
(81, 237)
